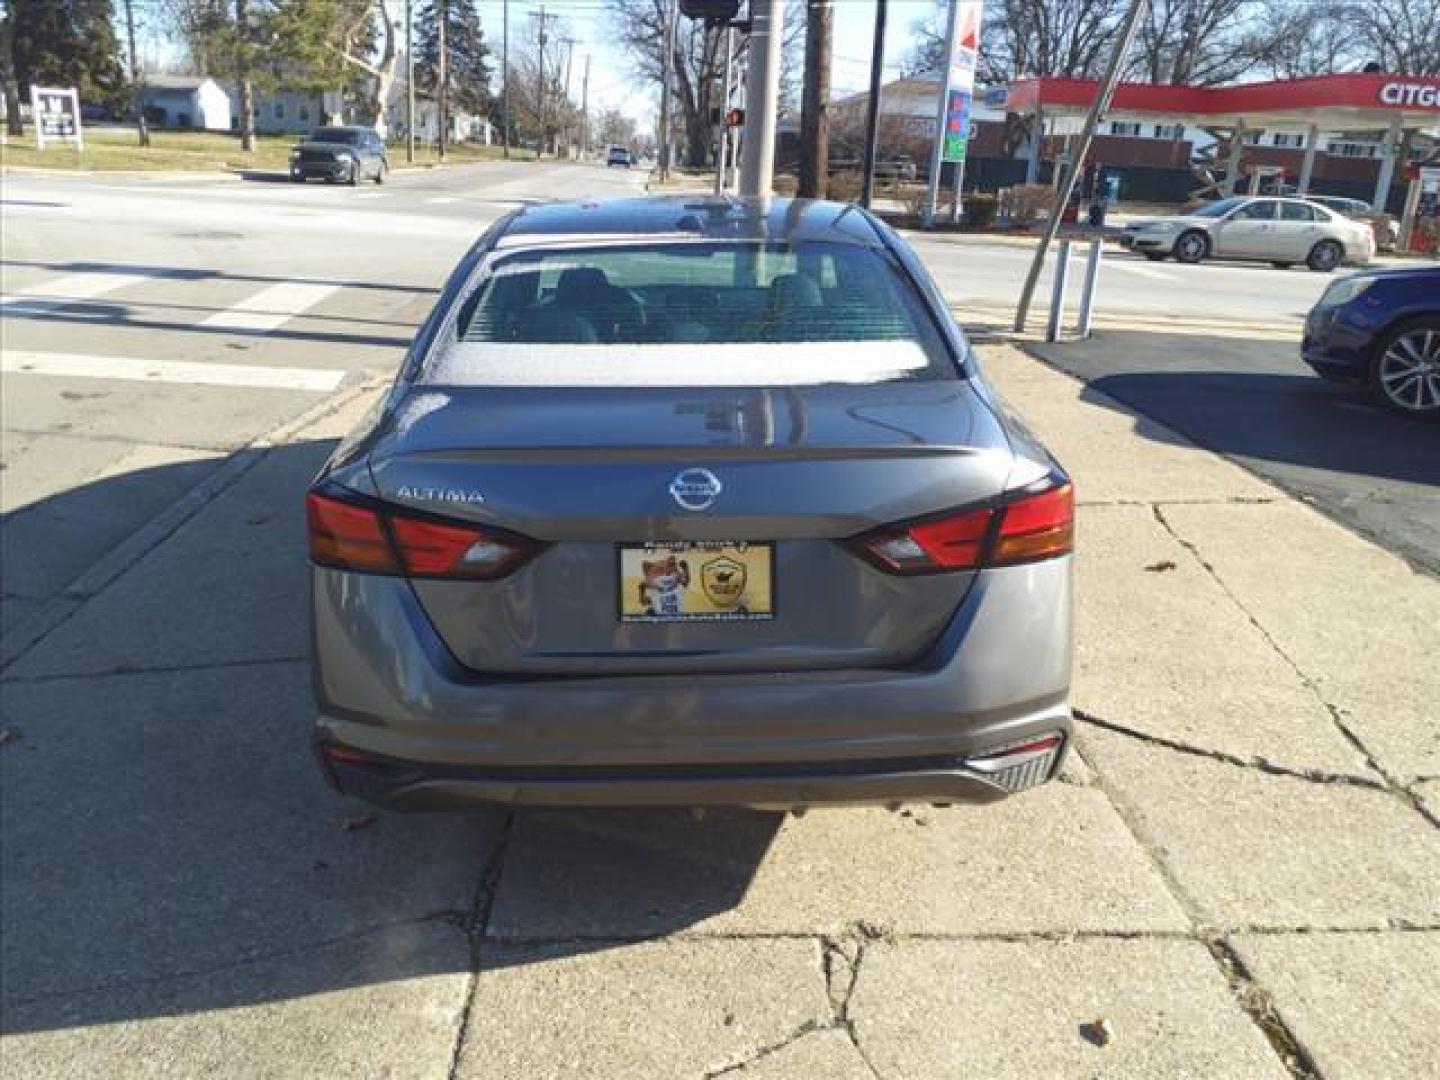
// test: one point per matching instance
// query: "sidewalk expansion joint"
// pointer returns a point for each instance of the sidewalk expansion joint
(158, 669)
(1264, 765)
(1257, 1004)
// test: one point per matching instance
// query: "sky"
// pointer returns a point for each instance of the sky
(613, 84)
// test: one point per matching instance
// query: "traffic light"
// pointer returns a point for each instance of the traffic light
(735, 118)
(710, 10)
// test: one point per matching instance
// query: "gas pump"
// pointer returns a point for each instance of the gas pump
(1420, 223)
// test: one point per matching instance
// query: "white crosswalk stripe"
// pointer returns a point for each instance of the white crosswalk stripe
(134, 369)
(270, 308)
(71, 289)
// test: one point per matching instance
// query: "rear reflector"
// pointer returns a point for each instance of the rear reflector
(1026, 528)
(350, 532)
(1021, 765)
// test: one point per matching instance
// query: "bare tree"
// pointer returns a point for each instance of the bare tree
(1199, 42)
(1402, 36)
(1306, 39)
(1068, 38)
(696, 67)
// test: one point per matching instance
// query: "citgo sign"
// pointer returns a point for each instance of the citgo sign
(1424, 95)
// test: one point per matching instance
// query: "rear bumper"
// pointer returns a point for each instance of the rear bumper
(439, 735)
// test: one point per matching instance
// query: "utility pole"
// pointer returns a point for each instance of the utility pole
(1067, 185)
(814, 123)
(410, 81)
(872, 107)
(585, 112)
(762, 96)
(668, 39)
(565, 97)
(242, 75)
(542, 97)
(505, 76)
(443, 6)
(141, 127)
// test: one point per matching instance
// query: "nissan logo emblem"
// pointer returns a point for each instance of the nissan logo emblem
(696, 489)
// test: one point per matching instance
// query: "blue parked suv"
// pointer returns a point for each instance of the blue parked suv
(1381, 329)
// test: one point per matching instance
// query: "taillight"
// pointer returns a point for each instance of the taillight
(349, 536)
(1039, 526)
(351, 532)
(1026, 528)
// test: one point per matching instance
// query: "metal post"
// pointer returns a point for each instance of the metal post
(762, 96)
(505, 75)
(136, 82)
(409, 81)
(1092, 279)
(1232, 161)
(722, 133)
(959, 167)
(1092, 121)
(1307, 166)
(1037, 137)
(1057, 292)
(932, 189)
(872, 107)
(1389, 151)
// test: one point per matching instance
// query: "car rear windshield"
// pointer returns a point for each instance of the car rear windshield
(335, 135)
(692, 313)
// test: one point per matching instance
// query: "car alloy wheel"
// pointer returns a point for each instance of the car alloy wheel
(1191, 247)
(1325, 256)
(1407, 374)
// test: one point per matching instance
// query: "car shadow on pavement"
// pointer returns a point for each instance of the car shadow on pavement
(167, 844)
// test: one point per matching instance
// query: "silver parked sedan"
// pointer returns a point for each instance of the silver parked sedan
(690, 502)
(1279, 231)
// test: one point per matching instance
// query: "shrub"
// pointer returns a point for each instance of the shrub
(1025, 201)
(980, 210)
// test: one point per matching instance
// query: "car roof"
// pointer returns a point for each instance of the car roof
(772, 220)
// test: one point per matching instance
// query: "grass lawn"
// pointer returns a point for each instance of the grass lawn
(115, 149)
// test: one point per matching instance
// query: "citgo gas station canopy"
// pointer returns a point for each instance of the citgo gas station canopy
(1356, 102)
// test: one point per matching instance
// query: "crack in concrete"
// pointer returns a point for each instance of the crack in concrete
(807, 1028)
(1259, 764)
(1392, 783)
(158, 669)
(1257, 1004)
(476, 925)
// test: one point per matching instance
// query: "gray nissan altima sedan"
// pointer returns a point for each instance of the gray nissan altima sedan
(690, 501)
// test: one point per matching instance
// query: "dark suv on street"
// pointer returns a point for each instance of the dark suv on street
(337, 154)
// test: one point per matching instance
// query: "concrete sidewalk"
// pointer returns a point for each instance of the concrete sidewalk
(1239, 871)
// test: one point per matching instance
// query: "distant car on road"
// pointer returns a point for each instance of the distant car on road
(690, 502)
(1381, 329)
(340, 154)
(620, 156)
(1282, 232)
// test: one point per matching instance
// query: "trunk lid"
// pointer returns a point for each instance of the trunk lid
(586, 470)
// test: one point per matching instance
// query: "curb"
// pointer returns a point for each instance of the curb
(27, 633)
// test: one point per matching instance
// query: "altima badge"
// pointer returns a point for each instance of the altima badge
(696, 489)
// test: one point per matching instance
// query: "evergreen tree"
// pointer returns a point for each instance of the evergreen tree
(467, 55)
(66, 43)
